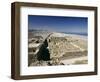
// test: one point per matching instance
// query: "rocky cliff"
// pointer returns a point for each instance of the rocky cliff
(57, 47)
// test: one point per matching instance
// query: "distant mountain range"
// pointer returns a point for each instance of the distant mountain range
(84, 34)
(37, 30)
(41, 30)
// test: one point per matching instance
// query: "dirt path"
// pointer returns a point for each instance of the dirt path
(71, 61)
(77, 46)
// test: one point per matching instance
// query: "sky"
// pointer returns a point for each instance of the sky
(58, 23)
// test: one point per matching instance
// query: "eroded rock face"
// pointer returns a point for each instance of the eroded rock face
(56, 46)
(59, 46)
(43, 53)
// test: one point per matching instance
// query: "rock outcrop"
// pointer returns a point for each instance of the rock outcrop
(55, 47)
